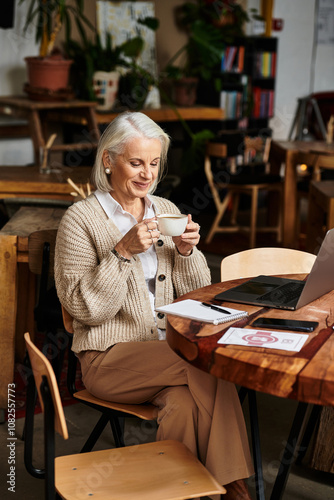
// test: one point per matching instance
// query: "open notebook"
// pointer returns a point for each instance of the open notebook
(193, 309)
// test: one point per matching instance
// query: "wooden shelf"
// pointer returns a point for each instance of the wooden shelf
(167, 114)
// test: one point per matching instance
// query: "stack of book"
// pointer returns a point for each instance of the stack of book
(233, 59)
(263, 100)
(265, 65)
(231, 101)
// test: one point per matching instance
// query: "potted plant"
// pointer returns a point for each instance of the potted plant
(48, 72)
(101, 71)
(95, 64)
(210, 25)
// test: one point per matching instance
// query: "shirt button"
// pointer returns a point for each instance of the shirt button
(161, 277)
(161, 315)
(160, 243)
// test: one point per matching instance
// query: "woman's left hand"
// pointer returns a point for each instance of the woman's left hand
(189, 239)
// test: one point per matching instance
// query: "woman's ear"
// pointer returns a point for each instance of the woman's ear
(106, 159)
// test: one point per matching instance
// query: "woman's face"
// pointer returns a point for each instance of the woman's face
(136, 169)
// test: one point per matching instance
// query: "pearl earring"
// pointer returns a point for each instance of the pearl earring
(107, 171)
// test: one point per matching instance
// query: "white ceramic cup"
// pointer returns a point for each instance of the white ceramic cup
(172, 224)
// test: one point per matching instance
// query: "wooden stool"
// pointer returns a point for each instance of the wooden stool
(320, 213)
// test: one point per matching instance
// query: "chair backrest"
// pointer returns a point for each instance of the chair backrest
(216, 150)
(36, 250)
(266, 260)
(41, 367)
(238, 150)
(325, 103)
(323, 162)
(257, 146)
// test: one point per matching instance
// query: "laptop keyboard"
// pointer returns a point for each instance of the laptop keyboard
(283, 294)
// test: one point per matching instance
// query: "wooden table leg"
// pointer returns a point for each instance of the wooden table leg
(8, 306)
(36, 133)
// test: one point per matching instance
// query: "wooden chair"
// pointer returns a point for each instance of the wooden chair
(323, 165)
(247, 264)
(249, 178)
(256, 261)
(320, 213)
(114, 413)
(322, 170)
(164, 470)
(52, 318)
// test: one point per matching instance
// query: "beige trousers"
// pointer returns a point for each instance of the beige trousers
(195, 408)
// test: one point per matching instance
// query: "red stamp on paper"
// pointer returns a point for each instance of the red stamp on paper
(260, 338)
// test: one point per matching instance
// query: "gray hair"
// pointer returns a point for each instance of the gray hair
(123, 128)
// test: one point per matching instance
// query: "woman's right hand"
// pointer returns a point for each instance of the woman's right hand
(139, 239)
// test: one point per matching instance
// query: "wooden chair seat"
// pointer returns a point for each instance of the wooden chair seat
(164, 470)
(143, 411)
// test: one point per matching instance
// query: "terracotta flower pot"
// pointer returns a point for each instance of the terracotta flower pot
(185, 91)
(48, 73)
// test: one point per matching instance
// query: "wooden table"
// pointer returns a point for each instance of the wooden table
(17, 286)
(293, 153)
(27, 182)
(306, 376)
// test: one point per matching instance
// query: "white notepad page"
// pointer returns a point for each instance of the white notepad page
(193, 309)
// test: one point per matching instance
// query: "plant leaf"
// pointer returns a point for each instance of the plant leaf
(150, 22)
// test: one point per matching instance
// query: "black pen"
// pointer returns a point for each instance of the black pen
(219, 309)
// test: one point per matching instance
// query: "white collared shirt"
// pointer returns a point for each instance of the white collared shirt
(125, 221)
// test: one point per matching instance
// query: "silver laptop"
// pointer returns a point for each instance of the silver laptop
(283, 293)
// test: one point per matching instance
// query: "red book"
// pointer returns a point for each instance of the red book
(273, 65)
(241, 58)
(271, 103)
(256, 102)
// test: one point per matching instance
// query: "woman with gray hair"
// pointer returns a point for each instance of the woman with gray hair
(113, 268)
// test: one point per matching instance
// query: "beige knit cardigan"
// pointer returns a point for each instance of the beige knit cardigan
(108, 299)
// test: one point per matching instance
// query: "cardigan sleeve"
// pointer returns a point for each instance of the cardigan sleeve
(91, 281)
(190, 272)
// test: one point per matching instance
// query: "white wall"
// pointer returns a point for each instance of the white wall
(14, 46)
(295, 47)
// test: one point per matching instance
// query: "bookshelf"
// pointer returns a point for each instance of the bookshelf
(244, 85)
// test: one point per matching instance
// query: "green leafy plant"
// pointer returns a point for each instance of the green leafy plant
(201, 53)
(210, 26)
(49, 16)
(90, 56)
